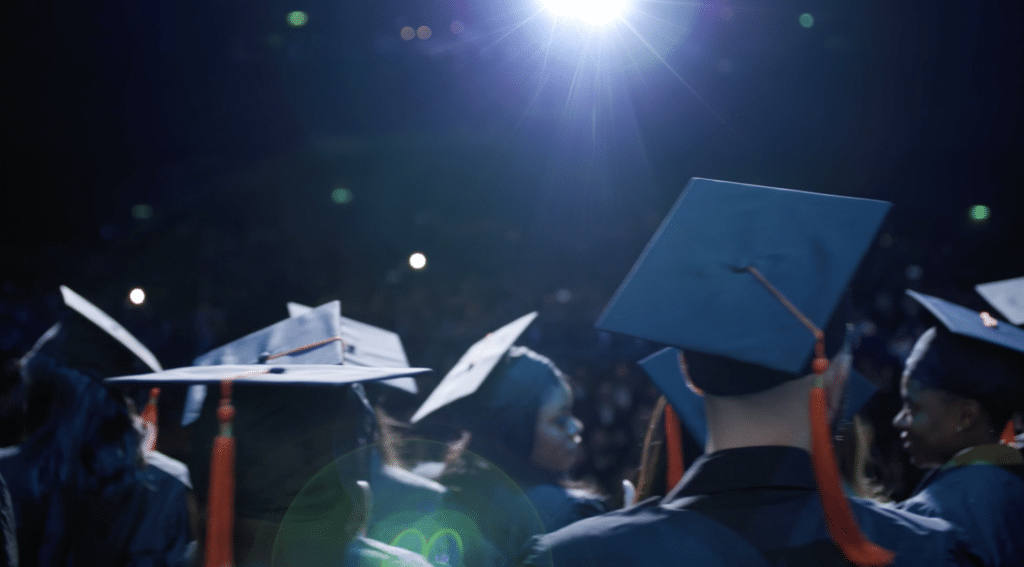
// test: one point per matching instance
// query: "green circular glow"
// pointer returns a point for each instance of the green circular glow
(297, 19)
(341, 196)
(142, 212)
(980, 212)
(806, 20)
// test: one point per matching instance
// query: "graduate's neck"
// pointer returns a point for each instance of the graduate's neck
(778, 416)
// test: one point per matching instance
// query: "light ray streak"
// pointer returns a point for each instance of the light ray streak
(675, 73)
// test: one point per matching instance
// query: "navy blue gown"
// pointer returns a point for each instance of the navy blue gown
(733, 504)
(985, 500)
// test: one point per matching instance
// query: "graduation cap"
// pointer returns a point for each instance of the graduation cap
(89, 340)
(314, 337)
(222, 475)
(92, 342)
(664, 368)
(747, 277)
(1007, 296)
(981, 326)
(476, 364)
(366, 345)
(857, 393)
(988, 365)
(710, 280)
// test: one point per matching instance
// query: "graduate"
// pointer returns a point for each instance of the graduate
(82, 487)
(287, 435)
(962, 382)
(746, 281)
(516, 407)
(677, 431)
(316, 515)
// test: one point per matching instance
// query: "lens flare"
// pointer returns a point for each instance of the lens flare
(594, 12)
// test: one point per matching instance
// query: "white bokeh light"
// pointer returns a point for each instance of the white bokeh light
(137, 296)
(417, 261)
(594, 12)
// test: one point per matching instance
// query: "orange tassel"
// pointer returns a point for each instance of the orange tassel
(673, 449)
(842, 526)
(149, 418)
(1007, 438)
(220, 522)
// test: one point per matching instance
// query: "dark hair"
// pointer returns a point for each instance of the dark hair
(82, 436)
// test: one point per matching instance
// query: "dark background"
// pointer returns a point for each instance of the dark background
(529, 165)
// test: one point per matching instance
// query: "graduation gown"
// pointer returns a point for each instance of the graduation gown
(139, 522)
(733, 504)
(983, 498)
(558, 506)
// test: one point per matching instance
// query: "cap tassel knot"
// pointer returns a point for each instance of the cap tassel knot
(839, 520)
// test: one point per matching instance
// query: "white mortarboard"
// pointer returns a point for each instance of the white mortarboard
(268, 374)
(1007, 296)
(470, 371)
(366, 345)
(91, 340)
(314, 337)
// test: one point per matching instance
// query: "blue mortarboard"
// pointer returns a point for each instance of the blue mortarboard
(972, 324)
(858, 391)
(366, 345)
(664, 369)
(476, 364)
(969, 353)
(1007, 296)
(694, 286)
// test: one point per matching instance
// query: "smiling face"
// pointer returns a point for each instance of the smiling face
(930, 420)
(556, 445)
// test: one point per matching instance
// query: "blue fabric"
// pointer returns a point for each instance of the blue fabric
(8, 533)
(767, 496)
(139, 523)
(986, 501)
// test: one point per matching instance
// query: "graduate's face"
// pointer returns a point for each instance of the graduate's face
(929, 418)
(556, 445)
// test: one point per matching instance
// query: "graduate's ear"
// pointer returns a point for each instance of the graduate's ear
(971, 416)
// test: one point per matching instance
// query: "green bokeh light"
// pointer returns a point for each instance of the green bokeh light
(142, 212)
(980, 213)
(297, 19)
(806, 20)
(341, 196)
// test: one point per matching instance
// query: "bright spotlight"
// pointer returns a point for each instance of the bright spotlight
(417, 261)
(137, 296)
(594, 12)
